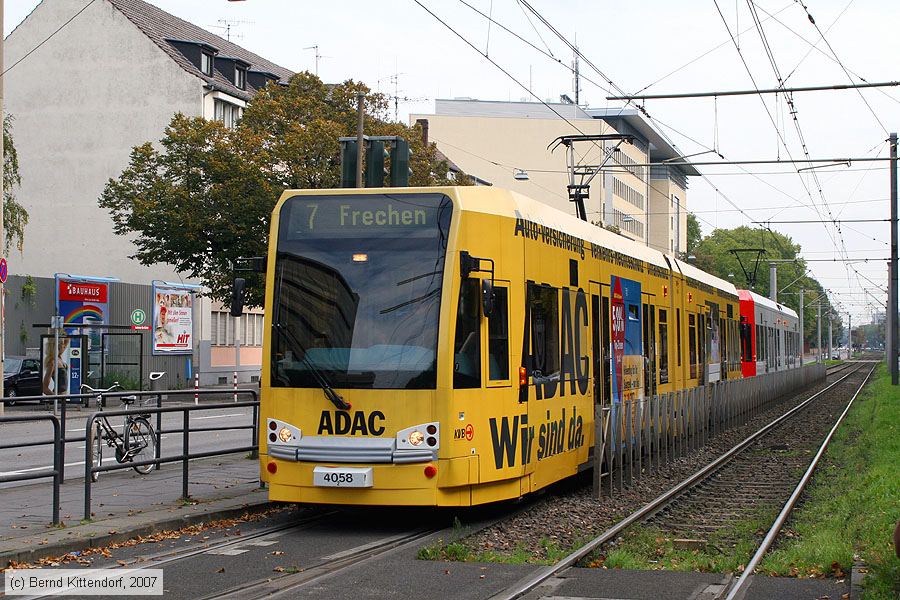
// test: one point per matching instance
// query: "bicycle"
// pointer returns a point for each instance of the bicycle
(137, 442)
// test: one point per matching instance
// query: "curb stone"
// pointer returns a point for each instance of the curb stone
(117, 530)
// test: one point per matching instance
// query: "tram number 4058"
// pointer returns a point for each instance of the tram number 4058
(342, 477)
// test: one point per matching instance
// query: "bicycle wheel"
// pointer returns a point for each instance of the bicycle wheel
(95, 442)
(140, 443)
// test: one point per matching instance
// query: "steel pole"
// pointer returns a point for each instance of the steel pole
(802, 329)
(2, 227)
(819, 332)
(773, 282)
(893, 282)
(360, 112)
(830, 337)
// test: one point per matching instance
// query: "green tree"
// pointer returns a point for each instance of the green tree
(694, 235)
(713, 255)
(204, 195)
(15, 217)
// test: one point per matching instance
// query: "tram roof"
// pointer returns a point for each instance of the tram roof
(766, 302)
(498, 201)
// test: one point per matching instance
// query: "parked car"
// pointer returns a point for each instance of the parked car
(21, 377)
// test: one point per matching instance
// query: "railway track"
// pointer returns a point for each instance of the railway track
(730, 487)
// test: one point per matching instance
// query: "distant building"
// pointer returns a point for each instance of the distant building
(498, 139)
(108, 80)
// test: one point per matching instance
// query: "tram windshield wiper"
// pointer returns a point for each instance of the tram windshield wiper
(329, 392)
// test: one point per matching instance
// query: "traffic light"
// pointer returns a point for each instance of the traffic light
(400, 163)
(375, 155)
(348, 164)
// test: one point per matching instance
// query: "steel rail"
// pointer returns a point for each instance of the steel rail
(286, 584)
(740, 586)
(527, 584)
(163, 558)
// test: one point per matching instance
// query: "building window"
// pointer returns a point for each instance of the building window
(227, 113)
(240, 78)
(222, 329)
(206, 63)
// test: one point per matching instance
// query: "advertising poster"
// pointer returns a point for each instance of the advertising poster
(173, 321)
(69, 366)
(87, 303)
(627, 350)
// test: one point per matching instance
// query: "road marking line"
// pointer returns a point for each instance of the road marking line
(222, 416)
(229, 551)
(264, 543)
(48, 467)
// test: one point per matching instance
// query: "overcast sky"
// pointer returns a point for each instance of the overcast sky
(654, 46)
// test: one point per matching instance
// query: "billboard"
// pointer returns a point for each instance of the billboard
(69, 366)
(87, 303)
(173, 320)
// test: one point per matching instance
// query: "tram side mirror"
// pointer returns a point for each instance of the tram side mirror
(237, 296)
(487, 297)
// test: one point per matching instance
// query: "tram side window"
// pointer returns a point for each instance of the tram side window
(544, 308)
(663, 346)
(467, 345)
(678, 334)
(692, 345)
(498, 337)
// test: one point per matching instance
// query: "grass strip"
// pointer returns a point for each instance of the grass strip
(853, 502)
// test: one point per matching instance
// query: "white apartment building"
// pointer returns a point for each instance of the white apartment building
(499, 140)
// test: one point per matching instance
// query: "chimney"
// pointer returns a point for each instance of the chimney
(424, 125)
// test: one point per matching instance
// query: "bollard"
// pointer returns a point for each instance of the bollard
(196, 387)
(156, 384)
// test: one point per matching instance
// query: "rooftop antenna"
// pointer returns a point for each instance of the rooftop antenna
(576, 73)
(226, 25)
(318, 56)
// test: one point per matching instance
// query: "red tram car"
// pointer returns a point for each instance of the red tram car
(770, 335)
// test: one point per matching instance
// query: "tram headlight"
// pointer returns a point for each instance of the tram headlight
(417, 436)
(280, 433)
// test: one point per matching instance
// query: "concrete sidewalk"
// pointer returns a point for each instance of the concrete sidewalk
(124, 505)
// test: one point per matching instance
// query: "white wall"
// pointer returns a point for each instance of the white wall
(81, 102)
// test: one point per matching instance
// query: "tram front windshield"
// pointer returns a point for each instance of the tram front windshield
(357, 291)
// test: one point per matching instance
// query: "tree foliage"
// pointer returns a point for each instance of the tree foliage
(694, 235)
(203, 196)
(713, 255)
(15, 217)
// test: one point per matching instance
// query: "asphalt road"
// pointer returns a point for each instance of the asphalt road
(36, 458)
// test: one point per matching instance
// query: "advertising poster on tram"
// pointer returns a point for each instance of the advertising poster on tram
(627, 351)
(173, 321)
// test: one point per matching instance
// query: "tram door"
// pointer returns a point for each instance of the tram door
(600, 344)
(702, 335)
(649, 329)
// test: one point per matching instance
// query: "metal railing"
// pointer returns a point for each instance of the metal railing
(60, 437)
(186, 430)
(639, 436)
(55, 472)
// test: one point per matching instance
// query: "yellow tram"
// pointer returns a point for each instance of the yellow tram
(448, 346)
